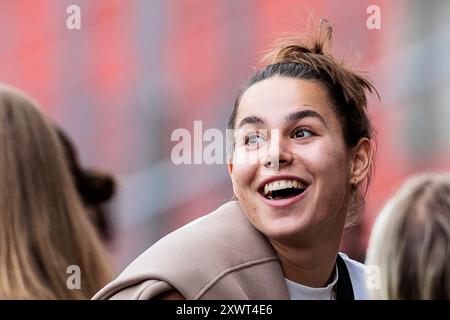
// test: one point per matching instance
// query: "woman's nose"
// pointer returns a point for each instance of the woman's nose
(278, 153)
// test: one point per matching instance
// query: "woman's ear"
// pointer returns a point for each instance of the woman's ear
(230, 169)
(361, 161)
(230, 172)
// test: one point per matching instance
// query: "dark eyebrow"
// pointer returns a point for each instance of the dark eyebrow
(251, 120)
(305, 114)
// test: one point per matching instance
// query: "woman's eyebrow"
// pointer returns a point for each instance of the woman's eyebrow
(305, 114)
(251, 120)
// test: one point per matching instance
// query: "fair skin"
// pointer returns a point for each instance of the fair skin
(304, 228)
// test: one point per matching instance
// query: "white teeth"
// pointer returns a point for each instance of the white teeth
(282, 184)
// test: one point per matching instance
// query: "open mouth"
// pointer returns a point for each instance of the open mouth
(282, 189)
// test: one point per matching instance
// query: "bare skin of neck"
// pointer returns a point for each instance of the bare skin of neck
(311, 263)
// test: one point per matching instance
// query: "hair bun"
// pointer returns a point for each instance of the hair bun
(96, 187)
(301, 49)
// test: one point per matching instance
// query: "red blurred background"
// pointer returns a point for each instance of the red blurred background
(137, 70)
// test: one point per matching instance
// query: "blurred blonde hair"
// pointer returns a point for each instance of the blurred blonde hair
(410, 241)
(43, 226)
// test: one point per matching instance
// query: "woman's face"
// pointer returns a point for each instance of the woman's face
(291, 167)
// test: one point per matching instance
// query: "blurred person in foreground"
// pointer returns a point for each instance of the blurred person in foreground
(302, 123)
(409, 245)
(44, 228)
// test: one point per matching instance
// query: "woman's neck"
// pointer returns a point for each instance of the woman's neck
(310, 264)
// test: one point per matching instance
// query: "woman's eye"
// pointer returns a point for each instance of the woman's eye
(301, 133)
(253, 139)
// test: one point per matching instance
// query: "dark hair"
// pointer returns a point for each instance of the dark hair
(94, 188)
(294, 58)
(300, 58)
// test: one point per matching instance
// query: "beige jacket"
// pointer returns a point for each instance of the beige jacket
(220, 256)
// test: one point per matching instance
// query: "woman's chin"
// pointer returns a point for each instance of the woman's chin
(285, 227)
(279, 223)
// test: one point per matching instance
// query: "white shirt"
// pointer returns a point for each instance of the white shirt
(356, 271)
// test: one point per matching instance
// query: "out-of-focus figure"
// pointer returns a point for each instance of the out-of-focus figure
(44, 228)
(410, 241)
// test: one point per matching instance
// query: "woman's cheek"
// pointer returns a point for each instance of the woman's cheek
(323, 158)
(313, 158)
(242, 177)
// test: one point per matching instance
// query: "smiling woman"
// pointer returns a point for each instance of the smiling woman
(304, 119)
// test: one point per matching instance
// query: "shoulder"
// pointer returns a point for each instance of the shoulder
(199, 254)
(214, 235)
(357, 272)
